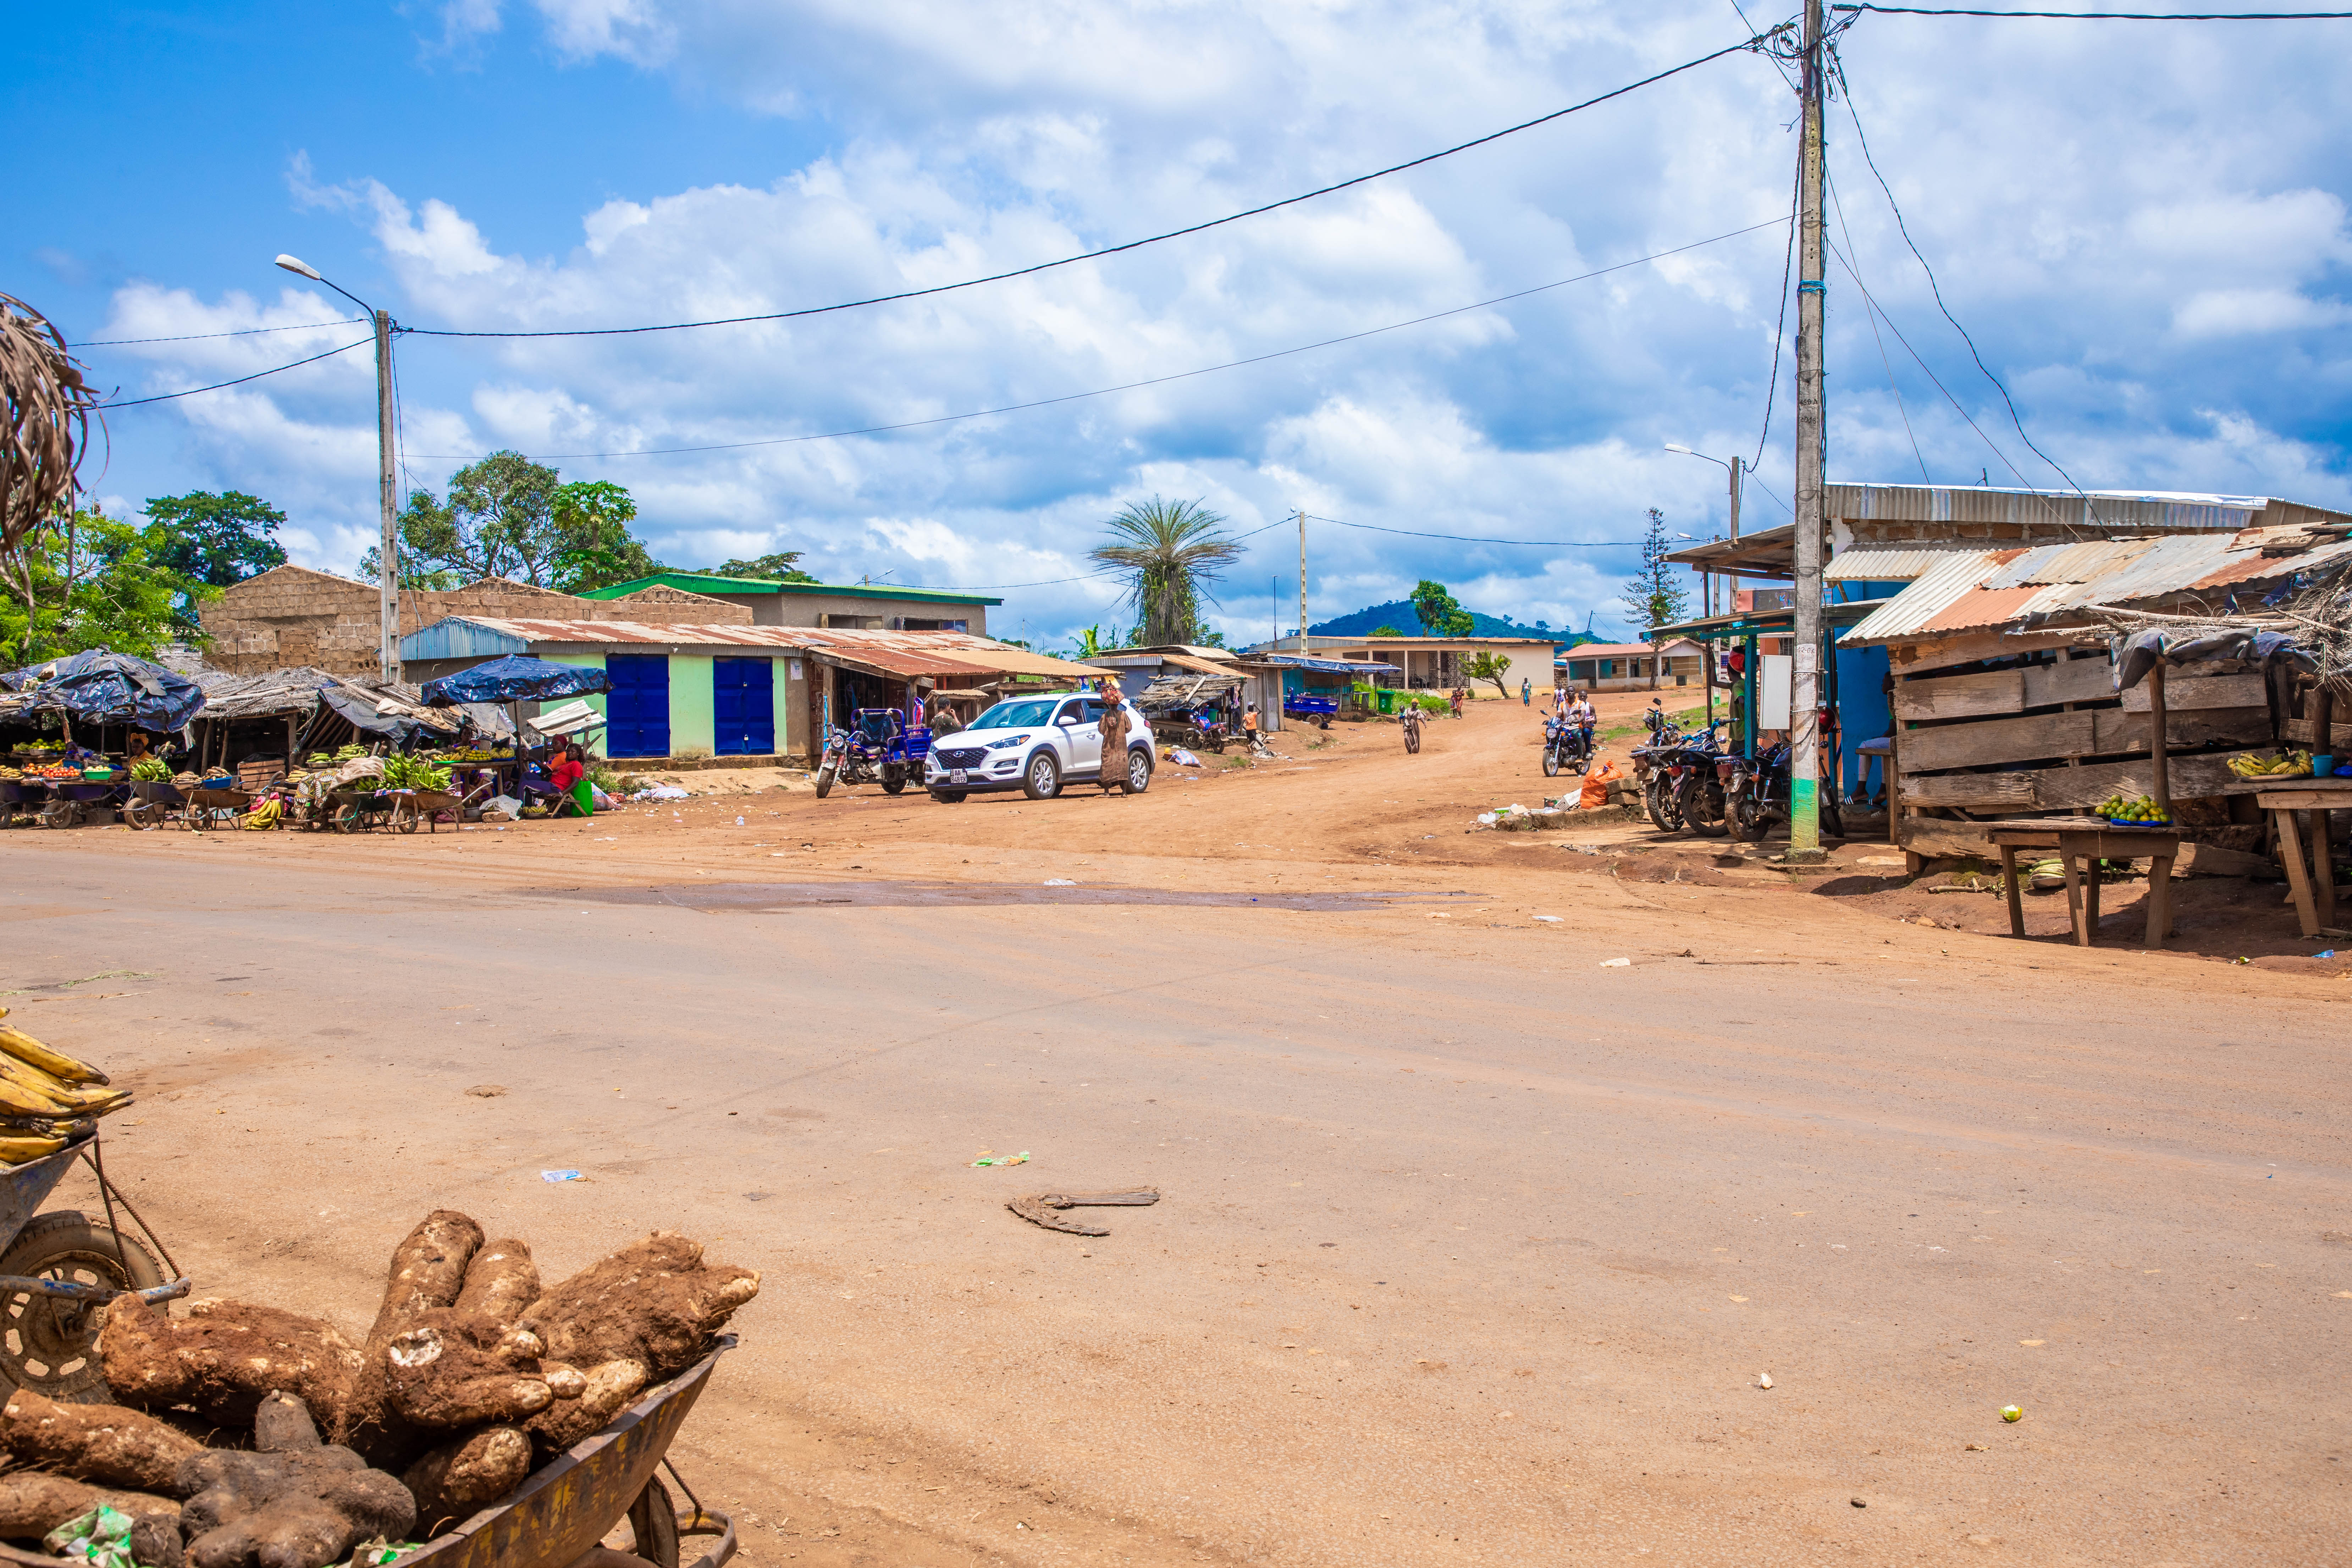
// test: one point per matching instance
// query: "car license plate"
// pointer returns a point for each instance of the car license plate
(958, 776)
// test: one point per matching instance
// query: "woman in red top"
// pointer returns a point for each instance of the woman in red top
(570, 778)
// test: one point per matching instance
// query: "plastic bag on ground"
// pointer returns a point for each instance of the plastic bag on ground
(1596, 787)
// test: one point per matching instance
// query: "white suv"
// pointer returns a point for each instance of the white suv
(1037, 744)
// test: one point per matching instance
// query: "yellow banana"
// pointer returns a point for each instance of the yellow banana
(17, 1151)
(21, 1096)
(56, 1064)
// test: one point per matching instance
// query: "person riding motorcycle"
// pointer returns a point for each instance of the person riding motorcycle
(1580, 714)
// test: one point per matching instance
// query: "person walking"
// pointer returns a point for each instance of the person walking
(1112, 727)
(1527, 692)
(1249, 725)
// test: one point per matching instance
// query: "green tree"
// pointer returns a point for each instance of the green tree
(1440, 617)
(1169, 552)
(500, 522)
(218, 539)
(97, 581)
(595, 547)
(1386, 632)
(1655, 597)
(780, 567)
(1491, 667)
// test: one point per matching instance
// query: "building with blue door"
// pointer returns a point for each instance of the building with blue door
(686, 692)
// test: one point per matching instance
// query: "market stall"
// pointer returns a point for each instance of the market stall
(97, 697)
(513, 772)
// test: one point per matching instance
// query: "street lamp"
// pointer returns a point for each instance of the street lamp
(388, 552)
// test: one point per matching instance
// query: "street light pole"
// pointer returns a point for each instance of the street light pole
(387, 570)
(1804, 704)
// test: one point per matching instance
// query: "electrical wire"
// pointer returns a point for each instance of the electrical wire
(1475, 539)
(1838, 66)
(241, 332)
(240, 380)
(2023, 483)
(1136, 385)
(1870, 310)
(2115, 15)
(1780, 325)
(1114, 249)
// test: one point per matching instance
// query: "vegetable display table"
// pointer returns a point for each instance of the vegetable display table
(2091, 839)
(2313, 883)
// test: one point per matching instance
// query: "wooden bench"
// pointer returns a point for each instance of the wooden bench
(2311, 881)
(2091, 839)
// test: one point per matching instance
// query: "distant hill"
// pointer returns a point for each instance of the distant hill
(1399, 613)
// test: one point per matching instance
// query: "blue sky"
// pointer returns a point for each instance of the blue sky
(2143, 226)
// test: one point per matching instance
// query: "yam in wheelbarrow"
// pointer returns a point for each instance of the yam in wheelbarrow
(60, 1274)
(567, 1506)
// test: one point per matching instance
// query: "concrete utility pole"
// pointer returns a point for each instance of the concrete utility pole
(1738, 465)
(1302, 579)
(1805, 687)
(387, 570)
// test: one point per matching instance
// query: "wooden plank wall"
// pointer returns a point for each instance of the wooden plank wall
(2045, 731)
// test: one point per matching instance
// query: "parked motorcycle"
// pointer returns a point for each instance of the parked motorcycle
(879, 749)
(1695, 772)
(1756, 795)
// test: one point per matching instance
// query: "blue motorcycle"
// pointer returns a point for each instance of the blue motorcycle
(880, 748)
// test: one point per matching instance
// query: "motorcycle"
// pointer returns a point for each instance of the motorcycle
(1660, 798)
(1566, 748)
(878, 750)
(1411, 722)
(1695, 772)
(1756, 795)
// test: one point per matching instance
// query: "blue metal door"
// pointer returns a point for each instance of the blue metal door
(743, 706)
(636, 710)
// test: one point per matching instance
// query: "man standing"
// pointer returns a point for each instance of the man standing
(1112, 727)
(1527, 692)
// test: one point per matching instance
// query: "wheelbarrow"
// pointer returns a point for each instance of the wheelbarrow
(60, 1274)
(567, 1506)
(427, 806)
(214, 807)
(152, 804)
(358, 810)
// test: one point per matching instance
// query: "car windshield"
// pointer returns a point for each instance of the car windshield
(1019, 715)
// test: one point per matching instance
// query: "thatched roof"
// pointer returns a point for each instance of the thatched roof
(276, 693)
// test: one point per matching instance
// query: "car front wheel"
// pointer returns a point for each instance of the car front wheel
(1138, 771)
(1044, 779)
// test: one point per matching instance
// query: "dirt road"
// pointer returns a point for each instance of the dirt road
(1472, 1248)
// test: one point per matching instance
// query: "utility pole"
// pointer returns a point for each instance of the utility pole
(1737, 466)
(1805, 689)
(387, 570)
(1302, 579)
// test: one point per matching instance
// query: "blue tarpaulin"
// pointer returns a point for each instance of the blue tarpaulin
(1329, 666)
(101, 688)
(515, 678)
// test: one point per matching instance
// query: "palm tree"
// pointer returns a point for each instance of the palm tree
(1169, 552)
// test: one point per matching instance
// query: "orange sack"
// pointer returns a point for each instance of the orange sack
(1596, 787)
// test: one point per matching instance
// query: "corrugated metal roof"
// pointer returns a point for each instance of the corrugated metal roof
(1983, 590)
(1889, 563)
(923, 653)
(1622, 650)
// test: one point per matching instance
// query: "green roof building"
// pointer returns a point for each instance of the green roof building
(877, 608)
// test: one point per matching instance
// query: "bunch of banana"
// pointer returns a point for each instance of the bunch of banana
(47, 1097)
(264, 815)
(2292, 766)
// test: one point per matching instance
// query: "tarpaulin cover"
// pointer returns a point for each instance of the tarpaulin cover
(1330, 665)
(103, 688)
(2136, 655)
(362, 714)
(518, 678)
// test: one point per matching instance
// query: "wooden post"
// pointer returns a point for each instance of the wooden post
(2323, 719)
(2156, 757)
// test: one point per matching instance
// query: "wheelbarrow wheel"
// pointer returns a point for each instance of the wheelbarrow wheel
(50, 1346)
(653, 1521)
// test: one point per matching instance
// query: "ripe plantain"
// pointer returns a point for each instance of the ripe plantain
(56, 1064)
(17, 1151)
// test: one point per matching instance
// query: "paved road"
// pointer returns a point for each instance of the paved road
(1468, 1256)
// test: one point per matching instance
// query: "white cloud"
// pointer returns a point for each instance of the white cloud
(2151, 255)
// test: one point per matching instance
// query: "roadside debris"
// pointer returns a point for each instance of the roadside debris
(2010, 1412)
(989, 1157)
(1041, 1208)
(1763, 1380)
(562, 1176)
(1616, 963)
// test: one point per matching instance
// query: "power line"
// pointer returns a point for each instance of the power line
(1871, 312)
(240, 380)
(241, 332)
(1475, 539)
(1136, 385)
(1114, 249)
(1781, 323)
(2115, 15)
(1861, 140)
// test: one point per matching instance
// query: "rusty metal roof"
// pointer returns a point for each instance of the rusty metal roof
(1987, 590)
(912, 653)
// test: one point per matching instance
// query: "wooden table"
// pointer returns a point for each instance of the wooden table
(2091, 839)
(2313, 882)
